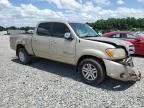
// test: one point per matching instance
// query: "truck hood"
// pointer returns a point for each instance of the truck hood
(115, 42)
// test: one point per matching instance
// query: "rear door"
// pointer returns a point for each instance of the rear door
(41, 40)
(62, 49)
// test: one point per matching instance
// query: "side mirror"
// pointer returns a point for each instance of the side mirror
(68, 36)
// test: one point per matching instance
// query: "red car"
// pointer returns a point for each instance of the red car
(138, 41)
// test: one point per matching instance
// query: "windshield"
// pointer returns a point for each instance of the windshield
(140, 34)
(83, 30)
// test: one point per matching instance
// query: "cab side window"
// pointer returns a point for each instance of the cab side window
(115, 36)
(130, 36)
(59, 29)
(44, 29)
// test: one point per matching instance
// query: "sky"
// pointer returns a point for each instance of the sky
(30, 12)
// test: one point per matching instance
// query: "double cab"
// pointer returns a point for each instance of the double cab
(78, 44)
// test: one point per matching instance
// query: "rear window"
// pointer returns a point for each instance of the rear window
(44, 29)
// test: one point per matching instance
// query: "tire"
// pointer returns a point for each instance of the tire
(91, 71)
(23, 56)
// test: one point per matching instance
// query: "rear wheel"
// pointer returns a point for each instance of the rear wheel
(23, 56)
(91, 71)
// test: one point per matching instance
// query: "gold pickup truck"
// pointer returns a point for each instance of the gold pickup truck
(78, 44)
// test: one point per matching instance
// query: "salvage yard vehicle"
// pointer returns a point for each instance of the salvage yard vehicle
(78, 44)
(136, 39)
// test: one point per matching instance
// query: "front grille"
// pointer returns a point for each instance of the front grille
(127, 61)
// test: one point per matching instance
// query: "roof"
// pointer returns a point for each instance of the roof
(115, 32)
(59, 20)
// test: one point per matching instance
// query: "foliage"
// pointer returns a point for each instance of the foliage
(26, 28)
(102, 25)
(113, 24)
(2, 28)
(16, 28)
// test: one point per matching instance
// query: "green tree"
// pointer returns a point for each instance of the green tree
(2, 28)
(112, 24)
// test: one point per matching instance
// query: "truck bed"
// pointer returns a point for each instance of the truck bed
(24, 39)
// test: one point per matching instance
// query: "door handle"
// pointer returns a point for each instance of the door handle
(54, 42)
(34, 39)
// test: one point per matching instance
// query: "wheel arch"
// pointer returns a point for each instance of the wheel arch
(19, 46)
(92, 57)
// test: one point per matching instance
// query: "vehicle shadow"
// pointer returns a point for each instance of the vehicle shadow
(69, 71)
(139, 56)
(115, 85)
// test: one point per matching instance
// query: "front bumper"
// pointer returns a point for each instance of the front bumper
(122, 70)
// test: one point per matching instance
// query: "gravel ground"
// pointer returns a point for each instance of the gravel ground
(45, 84)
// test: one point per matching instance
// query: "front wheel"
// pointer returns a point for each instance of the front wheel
(91, 71)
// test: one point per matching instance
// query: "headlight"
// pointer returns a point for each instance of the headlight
(116, 53)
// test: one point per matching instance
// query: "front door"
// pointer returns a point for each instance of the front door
(62, 49)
